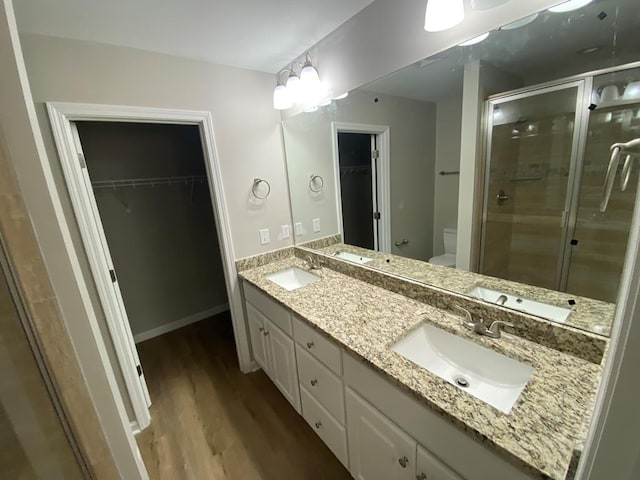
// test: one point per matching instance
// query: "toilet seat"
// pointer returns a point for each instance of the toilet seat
(446, 260)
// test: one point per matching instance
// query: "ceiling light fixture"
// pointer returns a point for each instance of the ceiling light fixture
(569, 6)
(474, 40)
(443, 14)
(303, 89)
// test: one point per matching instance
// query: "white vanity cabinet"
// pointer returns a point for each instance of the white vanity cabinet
(273, 348)
(429, 467)
(379, 449)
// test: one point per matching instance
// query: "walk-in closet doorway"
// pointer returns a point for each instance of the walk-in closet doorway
(146, 192)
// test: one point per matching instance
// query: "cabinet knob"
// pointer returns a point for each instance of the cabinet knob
(265, 333)
(422, 476)
(318, 424)
(404, 461)
(261, 329)
(314, 382)
(310, 344)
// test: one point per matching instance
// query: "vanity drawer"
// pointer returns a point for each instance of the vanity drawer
(319, 346)
(327, 428)
(268, 307)
(321, 382)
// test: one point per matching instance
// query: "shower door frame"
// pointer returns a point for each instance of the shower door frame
(569, 214)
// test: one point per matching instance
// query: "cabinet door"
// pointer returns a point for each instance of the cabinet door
(284, 372)
(257, 334)
(378, 449)
(430, 468)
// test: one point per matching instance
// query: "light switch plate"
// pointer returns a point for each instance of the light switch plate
(286, 231)
(316, 224)
(299, 229)
(264, 236)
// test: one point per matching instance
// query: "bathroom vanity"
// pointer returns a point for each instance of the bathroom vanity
(328, 345)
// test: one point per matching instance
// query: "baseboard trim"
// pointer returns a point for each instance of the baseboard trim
(183, 322)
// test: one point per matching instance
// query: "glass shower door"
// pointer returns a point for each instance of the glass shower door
(600, 238)
(531, 159)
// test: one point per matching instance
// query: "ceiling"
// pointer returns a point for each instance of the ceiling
(254, 34)
(546, 49)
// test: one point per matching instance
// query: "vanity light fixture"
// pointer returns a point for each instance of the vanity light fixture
(443, 14)
(474, 40)
(304, 89)
(569, 6)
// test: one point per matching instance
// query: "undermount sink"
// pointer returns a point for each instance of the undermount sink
(292, 278)
(352, 257)
(487, 375)
(544, 310)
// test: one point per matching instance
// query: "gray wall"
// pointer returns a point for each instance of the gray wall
(412, 151)
(162, 239)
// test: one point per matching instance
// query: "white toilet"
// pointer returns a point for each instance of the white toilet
(450, 236)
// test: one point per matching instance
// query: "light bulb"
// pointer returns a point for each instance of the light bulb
(475, 40)
(281, 98)
(443, 14)
(569, 5)
(294, 88)
(310, 79)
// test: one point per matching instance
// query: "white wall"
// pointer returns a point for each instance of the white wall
(23, 142)
(445, 203)
(246, 126)
(412, 152)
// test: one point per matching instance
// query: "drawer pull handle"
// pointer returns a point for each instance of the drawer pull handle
(314, 382)
(422, 476)
(265, 333)
(318, 424)
(309, 344)
(261, 329)
(404, 461)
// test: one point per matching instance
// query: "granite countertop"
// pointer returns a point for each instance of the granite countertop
(547, 422)
(587, 314)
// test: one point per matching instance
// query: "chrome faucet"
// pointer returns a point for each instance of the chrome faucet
(312, 264)
(501, 300)
(480, 327)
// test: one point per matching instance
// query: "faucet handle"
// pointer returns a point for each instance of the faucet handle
(494, 328)
(468, 318)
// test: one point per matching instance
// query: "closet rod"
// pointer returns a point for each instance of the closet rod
(153, 181)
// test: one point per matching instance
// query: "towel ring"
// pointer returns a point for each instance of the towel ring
(256, 185)
(314, 180)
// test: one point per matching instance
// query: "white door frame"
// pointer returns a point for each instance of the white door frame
(62, 115)
(384, 171)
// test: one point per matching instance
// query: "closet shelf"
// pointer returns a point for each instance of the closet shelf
(152, 181)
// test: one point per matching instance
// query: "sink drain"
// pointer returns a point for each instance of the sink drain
(461, 382)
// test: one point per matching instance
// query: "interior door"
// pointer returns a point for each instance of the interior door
(358, 189)
(106, 279)
(531, 162)
(600, 238)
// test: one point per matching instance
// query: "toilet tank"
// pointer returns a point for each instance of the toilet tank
(450, 239)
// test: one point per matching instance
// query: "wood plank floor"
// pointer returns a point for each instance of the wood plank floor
(210, 421)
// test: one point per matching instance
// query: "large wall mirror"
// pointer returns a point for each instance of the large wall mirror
(502, 168)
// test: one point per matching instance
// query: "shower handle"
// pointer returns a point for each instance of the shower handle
(502, 198)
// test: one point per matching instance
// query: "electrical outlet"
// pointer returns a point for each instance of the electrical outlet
(286, 231)
(264, 236)
(299, 229)
(316, 224)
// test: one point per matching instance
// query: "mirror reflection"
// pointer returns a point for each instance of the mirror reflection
(502, 168)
